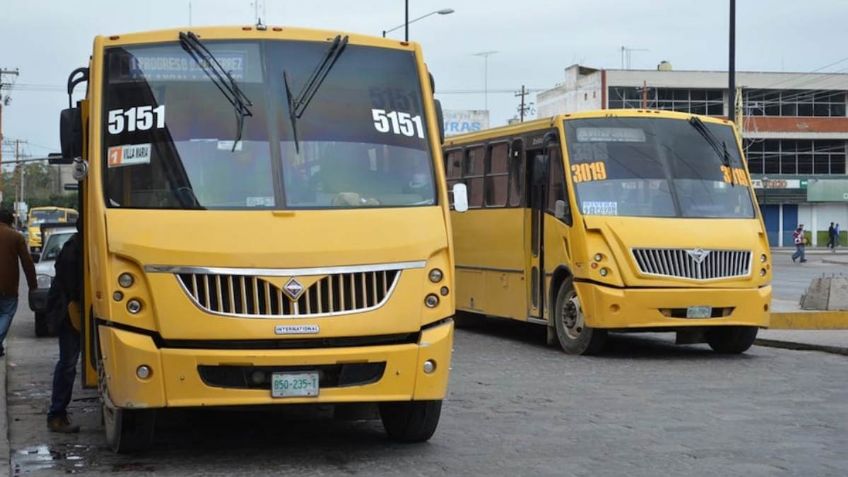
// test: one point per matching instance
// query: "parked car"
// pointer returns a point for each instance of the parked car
(45, 271)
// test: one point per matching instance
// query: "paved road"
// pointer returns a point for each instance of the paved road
(515, 407)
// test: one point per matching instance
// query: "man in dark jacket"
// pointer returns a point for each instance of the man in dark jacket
(13, 250)
(66, 294)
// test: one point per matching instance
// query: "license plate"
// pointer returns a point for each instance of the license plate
(294, 385)
(699, 312)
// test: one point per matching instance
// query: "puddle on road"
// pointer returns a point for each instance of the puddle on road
(69, 458)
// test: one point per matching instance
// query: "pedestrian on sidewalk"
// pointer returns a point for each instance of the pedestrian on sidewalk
(13, 251)
(800, 243)
(830, 241)
(835, 236)
(64, 301)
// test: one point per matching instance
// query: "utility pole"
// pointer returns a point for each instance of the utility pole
(521, 108)
(731, 68)
(4, 101)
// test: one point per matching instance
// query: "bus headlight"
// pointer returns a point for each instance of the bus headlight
(431, 301)
(763, 258)
(126, 280)
(598, 257)
(134, 306)
(604, 271)
(763, 272)
(44, 281)
(436, 275)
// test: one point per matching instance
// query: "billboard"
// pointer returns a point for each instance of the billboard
(827, 190)
(461, 121)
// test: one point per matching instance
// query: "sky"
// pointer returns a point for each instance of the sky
(534, 41)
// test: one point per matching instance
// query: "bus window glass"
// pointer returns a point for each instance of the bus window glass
(516, 175)
(170, 136)
(556, 180)
(497, 176)
(473, 175)
(655, 168)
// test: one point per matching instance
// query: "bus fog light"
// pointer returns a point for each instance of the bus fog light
(763, 258)
(133, 306)
(126, 280)
(444, 291)
(598, 257)
(604, 271)
(117, 296)
(431, 301)
(143, 371)
(258, 377)
(436, 275)
(429, 366)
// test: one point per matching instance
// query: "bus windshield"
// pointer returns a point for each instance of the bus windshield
(647, 167)
(170, 135)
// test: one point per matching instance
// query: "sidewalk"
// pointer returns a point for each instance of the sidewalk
(839, 257)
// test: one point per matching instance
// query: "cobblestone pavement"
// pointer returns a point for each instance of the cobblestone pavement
(515, 407)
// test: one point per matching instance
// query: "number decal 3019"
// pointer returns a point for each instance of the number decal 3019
(141, 118)
(397, 123)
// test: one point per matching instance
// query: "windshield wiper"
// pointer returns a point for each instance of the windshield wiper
(720, 149)
(220, 77)
(298, 104)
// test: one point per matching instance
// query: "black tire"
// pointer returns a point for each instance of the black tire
(573, 335)
(731, 339)
(413, 421)
(128, 430)
(41, 327)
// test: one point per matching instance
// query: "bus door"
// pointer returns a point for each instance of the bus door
(537, 168)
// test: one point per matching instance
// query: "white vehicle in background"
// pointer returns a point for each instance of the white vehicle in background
(45, 271)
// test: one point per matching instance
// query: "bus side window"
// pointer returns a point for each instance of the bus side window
(516, 173)
(453, 170)
(556, 184)
(473, 173)
(497, 175)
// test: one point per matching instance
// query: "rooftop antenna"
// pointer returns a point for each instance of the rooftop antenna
(626, 55)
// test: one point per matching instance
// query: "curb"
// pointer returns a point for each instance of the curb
(835, 262)
(801, 346)
(5, 449)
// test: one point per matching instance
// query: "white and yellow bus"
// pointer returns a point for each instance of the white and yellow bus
(265, 223)
(43, 215)
(612, 221)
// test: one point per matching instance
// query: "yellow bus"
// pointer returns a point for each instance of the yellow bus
(265, 223)
(612, 221)
(41, 215)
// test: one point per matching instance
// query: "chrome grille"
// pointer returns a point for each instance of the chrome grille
(254, 296)
(683, 263)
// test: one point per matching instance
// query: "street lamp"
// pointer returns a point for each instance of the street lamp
(444, 11)
(485, 55)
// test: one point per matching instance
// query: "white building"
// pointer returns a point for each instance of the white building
(795, 130)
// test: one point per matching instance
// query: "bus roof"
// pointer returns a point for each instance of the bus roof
(251, 32)
(549, 122)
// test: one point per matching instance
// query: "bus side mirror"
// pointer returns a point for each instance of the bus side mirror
(440, 118)
(559, 209)
(460, 197)
(70, 134)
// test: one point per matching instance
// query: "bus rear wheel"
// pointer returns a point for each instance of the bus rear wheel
(572, 333)
(410, 421)
(731, 339)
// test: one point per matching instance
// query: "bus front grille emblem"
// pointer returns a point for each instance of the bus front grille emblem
(293, 289)
(698, 255)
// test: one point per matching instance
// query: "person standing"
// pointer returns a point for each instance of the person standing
(800, 243)
(835, 236)
(830, 242)
(13, 251)
(64, 304)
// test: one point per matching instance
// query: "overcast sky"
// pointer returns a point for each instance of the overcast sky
(534, 39)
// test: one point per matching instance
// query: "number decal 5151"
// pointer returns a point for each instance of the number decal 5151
(397, 123)
(141, 118)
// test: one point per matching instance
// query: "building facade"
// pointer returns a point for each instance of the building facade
(794, 131)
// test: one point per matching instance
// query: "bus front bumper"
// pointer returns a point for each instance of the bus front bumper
(646, 308)
(175, 378)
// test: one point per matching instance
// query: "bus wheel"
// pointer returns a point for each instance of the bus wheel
(41, 328)
(128, 430)
(731, 339)
(571, 330)
(410, 421)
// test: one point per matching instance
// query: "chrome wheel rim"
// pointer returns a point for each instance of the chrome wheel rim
(572, 316)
